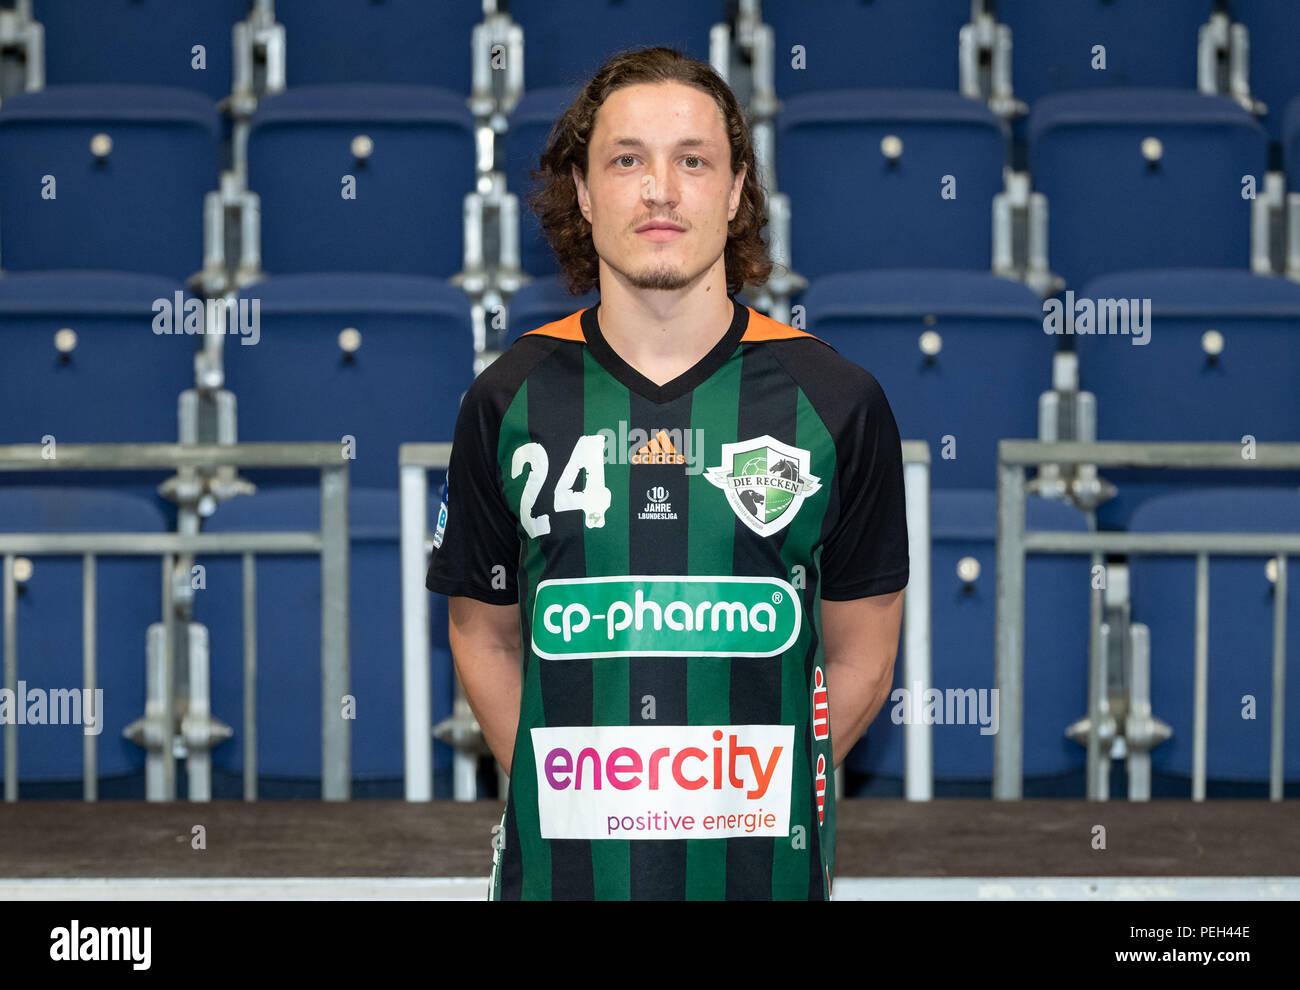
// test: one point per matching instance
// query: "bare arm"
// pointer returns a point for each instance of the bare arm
(860, 639)
(485, 646)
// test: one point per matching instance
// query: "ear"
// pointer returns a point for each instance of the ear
(737, 185)
(584, 195)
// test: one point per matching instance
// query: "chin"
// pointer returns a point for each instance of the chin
(668, 279)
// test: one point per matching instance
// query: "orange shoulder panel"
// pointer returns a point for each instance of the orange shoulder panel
(569, 328)
(765, 328)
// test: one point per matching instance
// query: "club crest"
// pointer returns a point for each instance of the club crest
(765, 481)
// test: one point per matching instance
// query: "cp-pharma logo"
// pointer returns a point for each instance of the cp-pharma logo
(665, 615)
(765, 480)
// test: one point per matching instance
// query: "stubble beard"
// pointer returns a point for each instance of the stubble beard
(664, 277)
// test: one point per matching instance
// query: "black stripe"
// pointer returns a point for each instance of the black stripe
(555, 419)
(658, 546)
(512, 862)
(768, 405)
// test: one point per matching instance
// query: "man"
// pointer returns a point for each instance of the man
(673, 533)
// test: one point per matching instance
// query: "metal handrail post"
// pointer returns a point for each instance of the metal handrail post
(918, 734)
(415, 460)
(417, 687)
(336, 730)
(1009, 642)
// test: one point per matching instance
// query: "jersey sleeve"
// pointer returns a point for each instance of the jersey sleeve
(476, 543)
(865, 552)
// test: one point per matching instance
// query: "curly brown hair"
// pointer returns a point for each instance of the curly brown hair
(555, 200)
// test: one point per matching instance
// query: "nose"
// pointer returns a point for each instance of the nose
(659, 186)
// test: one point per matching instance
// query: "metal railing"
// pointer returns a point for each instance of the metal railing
(330, 542)
(417, 459)
(1013, 543)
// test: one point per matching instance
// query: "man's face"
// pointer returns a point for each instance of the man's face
(659, 191)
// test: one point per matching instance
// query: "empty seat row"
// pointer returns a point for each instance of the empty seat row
(379, 359)
(413, 42)
(288, 605)
(1200, 354)
(840, 44)
(372, 178)
(1055, 694)
(963, 593)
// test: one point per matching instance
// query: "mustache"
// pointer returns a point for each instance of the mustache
(672, 218)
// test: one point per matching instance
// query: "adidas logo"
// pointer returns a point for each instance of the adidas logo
(658, 445)
(659, 450)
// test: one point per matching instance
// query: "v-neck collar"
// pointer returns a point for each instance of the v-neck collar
(689, 379)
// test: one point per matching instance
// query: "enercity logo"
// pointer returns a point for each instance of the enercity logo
(663, 446)
(1098, 316)
(663, 782)
(664, 615)
(60, 706)
(955, 706)
(217, 315)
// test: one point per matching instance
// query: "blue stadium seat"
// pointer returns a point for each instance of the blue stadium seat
(525, 140)
(980, 386)
(137, 207)
(963, 524)
(1291, 145)
(1114, 209)
(119, 382)
(848, 44)
(1274, 27)
(1240, 652)
(128, 599)
(1146, 44)
(540, 302)
(565, 43)
(402, 381)
(854, 207)
(410, 183)
(1172, 389)
(379, 41)
(288, 637)
(149, 42)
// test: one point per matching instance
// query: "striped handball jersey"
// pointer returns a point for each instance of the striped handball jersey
(668, 546)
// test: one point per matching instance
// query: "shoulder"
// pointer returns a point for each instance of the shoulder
(761, 328)
(836, 386)
(498, 383)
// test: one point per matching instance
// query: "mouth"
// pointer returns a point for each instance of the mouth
(659, 230)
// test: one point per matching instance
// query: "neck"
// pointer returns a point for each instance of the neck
(663, 334)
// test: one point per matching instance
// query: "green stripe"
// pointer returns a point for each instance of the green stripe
(605, 403)
(711, 527)
(535, 850)
(790, 865)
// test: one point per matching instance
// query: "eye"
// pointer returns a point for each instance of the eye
(625, 158)
(694, 158)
